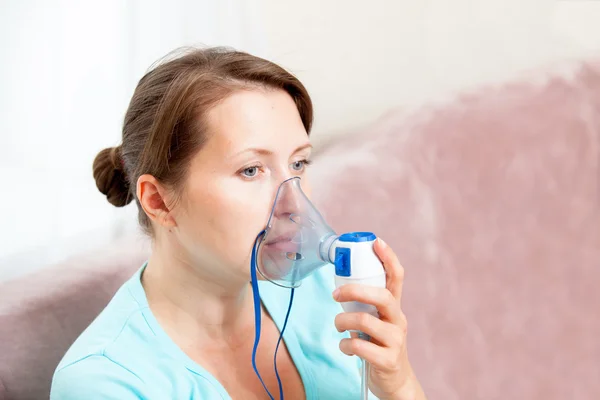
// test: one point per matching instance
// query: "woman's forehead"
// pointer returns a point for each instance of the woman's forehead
(255, 119)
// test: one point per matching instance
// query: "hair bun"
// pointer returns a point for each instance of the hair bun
(111, 178)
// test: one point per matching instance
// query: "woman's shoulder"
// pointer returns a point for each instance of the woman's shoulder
(105, 346)
(122, 355)
(94, 377)
(117, 356)
(107, 329)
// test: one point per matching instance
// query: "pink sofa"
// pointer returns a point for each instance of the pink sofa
(492, 202)
(42, 314)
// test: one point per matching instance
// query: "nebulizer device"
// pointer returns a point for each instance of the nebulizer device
(295, 243)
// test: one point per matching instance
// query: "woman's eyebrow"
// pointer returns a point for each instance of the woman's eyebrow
(261, 151)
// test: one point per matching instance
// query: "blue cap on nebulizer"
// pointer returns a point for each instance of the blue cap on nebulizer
(343, 255)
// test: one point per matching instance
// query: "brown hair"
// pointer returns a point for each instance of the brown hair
(164, 125)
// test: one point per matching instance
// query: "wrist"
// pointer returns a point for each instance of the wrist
(410, 390)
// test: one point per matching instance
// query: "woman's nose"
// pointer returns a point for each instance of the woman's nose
(289, 201)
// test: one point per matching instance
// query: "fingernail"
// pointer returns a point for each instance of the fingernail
(336, 293)
(382, 242)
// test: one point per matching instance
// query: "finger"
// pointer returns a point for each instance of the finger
(387, 305)
(393, 268)
(384, 333)
(381, 358)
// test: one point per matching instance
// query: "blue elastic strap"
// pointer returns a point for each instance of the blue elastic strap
(279, 341)
(257, 321)
(257, 311)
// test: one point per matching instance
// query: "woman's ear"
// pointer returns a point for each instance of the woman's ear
(155, 199)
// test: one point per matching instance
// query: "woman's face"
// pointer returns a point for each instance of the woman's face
(257, 140)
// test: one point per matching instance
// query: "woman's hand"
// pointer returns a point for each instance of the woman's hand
(391, 375)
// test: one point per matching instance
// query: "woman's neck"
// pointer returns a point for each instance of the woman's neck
(198, 309)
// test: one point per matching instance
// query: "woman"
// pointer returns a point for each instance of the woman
(207, 139)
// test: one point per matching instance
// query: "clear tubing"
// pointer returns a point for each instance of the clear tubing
(364, 376)
(364, 386)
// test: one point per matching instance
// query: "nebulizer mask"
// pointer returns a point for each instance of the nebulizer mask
(296, 242)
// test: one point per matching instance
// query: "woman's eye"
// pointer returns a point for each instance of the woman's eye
(299, 165)
(250, 172)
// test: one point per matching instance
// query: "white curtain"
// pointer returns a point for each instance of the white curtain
(67, 73)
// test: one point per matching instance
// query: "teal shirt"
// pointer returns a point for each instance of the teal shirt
(124, 354)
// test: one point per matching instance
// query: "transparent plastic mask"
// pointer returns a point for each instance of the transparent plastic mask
(296, 234)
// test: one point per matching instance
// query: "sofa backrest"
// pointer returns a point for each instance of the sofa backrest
(492, 203)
